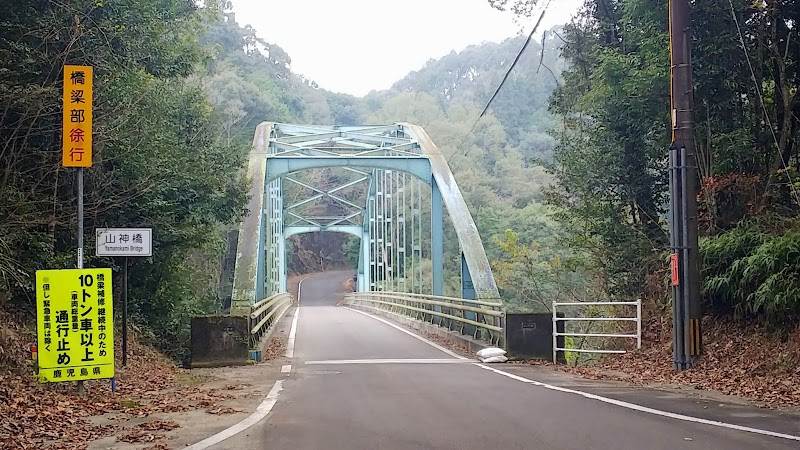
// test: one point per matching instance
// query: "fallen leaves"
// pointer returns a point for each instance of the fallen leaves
(140, 436)
(158, 425)
(445, 342)
(275, 349)
(52, 416)
(146, 432)
(160, 446)
(219, 410)
(39, 415)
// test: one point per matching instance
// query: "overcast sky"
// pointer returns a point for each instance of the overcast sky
(354, 46)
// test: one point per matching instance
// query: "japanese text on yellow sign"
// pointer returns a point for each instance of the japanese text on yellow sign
(77, 137)
(75, 324)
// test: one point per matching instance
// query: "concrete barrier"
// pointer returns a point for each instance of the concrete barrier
(531, 336)
(219, 341)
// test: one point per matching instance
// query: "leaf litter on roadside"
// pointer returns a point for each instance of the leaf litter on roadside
(52, 416)
(737, 360)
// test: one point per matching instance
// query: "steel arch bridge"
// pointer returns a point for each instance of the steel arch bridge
(390, 191)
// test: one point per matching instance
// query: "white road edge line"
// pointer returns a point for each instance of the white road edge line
(427, 341)
(263, 409)
(269, 401)
(293, 331)
(292, 334)
(640, 408)
(610, 401)
(388, 361)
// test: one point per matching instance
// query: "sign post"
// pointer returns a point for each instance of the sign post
(76, 146)
(124, 242)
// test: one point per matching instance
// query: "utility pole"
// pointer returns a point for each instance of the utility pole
(686, 310)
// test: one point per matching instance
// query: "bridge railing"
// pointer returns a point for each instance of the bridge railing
(264, 314)
(585, 332)
(487, 321)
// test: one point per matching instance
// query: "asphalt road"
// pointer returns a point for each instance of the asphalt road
(330, 401)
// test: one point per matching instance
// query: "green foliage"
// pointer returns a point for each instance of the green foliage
(533, 276)
(167, 293)
(753, 272)
(615, 129)
(610, 160)
(352, 250)
(158, 161)
(463, 82)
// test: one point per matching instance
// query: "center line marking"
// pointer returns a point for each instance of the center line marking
(286, 368)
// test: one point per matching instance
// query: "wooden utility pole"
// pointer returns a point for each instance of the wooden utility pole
(687, 333)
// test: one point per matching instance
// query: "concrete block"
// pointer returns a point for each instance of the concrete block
(219, 340)
(531, 335)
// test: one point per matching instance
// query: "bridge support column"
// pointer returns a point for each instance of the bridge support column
(437, 239)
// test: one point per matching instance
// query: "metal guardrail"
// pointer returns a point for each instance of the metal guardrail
(556, 334)
(265, 313)
(487, 322)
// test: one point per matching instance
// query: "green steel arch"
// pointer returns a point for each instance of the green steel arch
(392, 162)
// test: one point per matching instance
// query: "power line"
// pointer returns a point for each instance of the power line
(503, 81)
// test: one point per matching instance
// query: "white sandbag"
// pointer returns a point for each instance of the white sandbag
(495, 359)
(490, 352)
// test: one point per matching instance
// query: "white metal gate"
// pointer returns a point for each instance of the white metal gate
(568, 318)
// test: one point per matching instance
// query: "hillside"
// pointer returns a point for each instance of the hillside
(472, 75)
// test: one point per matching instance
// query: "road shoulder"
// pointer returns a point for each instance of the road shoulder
(197, 403)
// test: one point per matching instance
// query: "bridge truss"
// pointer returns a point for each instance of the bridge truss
(390, 188)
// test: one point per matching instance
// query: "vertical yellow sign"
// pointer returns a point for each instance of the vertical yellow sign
(75, 324)
(77, 135)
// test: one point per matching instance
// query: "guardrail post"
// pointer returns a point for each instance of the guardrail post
(504, 333)
(555, 333)
(264, 314)
(638, 324)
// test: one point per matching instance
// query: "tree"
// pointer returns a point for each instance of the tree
(158, 162)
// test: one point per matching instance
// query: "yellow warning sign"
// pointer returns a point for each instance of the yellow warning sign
(77, 116)
(75, 324)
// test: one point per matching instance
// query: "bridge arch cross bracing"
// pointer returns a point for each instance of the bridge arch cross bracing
(391, 164)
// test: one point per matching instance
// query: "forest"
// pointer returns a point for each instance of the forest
(565, 175)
